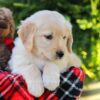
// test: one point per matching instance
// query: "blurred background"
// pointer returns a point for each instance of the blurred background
(85, 18)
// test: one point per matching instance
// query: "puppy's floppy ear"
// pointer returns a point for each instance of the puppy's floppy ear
(9, 15)
(69, 43)
(12, 27)
(70, 37)
(26, 33)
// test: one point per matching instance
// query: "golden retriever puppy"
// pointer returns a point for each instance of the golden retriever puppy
(43, 50)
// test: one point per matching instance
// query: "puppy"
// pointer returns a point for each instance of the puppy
(43, 50)
(7, 25)
(7, 28)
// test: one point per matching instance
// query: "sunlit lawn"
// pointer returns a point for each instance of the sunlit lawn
(91, 92)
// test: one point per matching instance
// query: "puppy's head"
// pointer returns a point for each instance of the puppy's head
(7, 26)
(47, 34)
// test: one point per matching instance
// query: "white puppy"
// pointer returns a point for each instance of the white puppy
(43, 50)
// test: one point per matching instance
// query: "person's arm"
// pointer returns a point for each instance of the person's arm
(14, 87)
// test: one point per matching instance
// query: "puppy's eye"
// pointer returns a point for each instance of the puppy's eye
(49, 37)
(64, 37)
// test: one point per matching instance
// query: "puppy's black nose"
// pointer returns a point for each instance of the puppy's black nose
(3, 24)
(60, 54)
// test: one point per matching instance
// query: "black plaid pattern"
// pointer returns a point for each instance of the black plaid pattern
(70, 87)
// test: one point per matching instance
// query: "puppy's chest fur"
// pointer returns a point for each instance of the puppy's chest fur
(25, 58)
(40, 63)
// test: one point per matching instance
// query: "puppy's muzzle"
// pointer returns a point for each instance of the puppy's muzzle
(59, 54)
(3, 24)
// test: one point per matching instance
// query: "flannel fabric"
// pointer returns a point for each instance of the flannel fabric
(13, 87)
(9, 43)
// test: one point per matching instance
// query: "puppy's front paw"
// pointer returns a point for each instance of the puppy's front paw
(51, 82)
(51, 76)
(36, 89)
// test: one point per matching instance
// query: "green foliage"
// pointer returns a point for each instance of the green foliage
(85, 17)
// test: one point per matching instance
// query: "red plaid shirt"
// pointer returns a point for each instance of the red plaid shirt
(13, 87)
